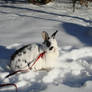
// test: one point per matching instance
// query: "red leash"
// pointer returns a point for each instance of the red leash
(40, 56)
(10, 84)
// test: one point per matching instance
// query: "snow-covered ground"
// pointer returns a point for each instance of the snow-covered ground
(21, 24)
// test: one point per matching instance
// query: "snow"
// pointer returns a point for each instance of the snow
(22, 24)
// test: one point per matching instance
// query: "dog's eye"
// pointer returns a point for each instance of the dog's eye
(47, 43)
(51, 48)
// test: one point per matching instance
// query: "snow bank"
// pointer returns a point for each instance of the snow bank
(73, 69)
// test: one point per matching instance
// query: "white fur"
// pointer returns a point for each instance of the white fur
(32, 52)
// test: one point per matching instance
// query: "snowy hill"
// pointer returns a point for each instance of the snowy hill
(22, 24)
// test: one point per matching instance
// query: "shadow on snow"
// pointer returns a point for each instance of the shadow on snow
(5, 55)
(79, 31)
(43, 12)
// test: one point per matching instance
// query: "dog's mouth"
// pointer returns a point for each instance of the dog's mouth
(51, 48)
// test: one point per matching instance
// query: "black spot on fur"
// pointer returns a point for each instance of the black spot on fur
(29, 64)
(17, 66)
(19, 60)
(29, 48)
(18, 52)
(51, 48)
(24, 52)
(25, 61)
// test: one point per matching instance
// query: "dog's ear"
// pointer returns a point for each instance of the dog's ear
(54, 34)
(45, 35)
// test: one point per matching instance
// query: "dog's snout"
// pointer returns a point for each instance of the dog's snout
(51, 48)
